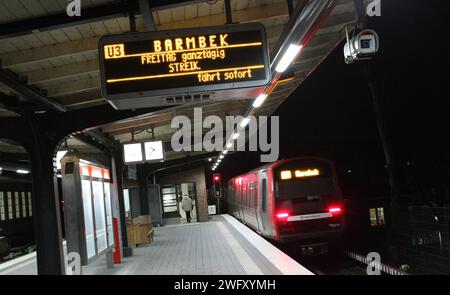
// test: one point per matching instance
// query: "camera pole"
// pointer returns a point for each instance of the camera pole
(389, 155)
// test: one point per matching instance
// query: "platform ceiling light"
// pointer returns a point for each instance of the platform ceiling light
(221, 156)
(229, 145)
(22, 171)
(288, 57)
(244, 122)
(209, 160)
(235, 136)
(259, 100)
(225, 152)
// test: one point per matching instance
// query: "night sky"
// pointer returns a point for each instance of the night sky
(332, 115)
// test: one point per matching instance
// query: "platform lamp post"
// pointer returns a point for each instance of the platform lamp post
(217, 191)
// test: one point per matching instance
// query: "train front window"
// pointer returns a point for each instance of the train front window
(305, 179)
(305, 187)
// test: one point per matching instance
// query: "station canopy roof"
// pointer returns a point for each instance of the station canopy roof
(58, 56)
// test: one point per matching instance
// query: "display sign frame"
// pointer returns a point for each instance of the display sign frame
(127, 39)
(144, 156)
(142, 152)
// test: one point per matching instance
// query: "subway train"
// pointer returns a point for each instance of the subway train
(295, 202)
(16, 214)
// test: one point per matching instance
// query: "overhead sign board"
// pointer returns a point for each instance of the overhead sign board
(179, 62)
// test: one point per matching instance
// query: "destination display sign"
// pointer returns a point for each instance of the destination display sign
(183, 61)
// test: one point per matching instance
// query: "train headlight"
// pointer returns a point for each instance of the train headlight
(287, 174)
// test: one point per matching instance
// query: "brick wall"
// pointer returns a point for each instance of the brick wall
(196, 176)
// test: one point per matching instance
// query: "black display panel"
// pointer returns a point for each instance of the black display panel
(183, 61)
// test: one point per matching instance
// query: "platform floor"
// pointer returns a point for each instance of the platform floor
(222, 246)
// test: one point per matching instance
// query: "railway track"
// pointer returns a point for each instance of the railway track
(349, 264)
(331, 265)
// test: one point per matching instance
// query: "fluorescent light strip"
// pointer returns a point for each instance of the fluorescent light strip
(259, 100)
(235, 136)
(244, 122)
(20, 171)
(229, 145)
(288, 57)
(225, 152)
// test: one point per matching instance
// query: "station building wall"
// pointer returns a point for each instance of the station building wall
(197, 176)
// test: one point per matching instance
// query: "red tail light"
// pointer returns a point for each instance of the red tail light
(335, 210)
(282, 216)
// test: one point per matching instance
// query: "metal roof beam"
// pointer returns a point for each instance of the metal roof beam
(88, 15)
(21, 88)
(34, 95)
(14, 157)
(62, 20)
(147, 15)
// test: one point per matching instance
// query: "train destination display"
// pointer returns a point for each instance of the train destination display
(186, 61)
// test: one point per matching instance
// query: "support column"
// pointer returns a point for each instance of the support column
(142, 182)
(46, 210)
(228, 12)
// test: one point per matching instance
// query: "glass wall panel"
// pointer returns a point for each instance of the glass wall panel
(99, 213)
(109, 217)
(88, 217)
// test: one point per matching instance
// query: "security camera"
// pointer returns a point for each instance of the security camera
(362, 46)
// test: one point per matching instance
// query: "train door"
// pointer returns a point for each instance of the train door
(255, 202)
(235, 200)
(263, 197)
(241, 201)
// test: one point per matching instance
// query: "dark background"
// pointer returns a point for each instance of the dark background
(332, 115)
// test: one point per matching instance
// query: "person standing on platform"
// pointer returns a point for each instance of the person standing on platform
(186, 205)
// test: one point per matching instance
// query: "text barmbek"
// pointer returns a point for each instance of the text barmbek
(188, 43)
